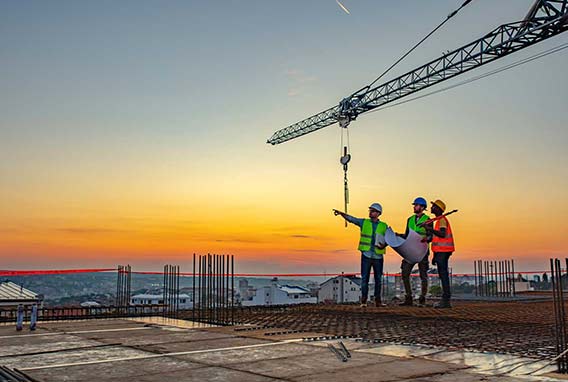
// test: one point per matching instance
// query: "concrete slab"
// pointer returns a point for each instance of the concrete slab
(226, 360)
(470, 377)
(215, 343)
(318, 360)
(209, 374)
(23, 362)
(133, 369)
(230, 357)
(41, 344)
(394, 370)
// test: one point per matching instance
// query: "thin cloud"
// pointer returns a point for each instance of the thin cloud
(88, 230)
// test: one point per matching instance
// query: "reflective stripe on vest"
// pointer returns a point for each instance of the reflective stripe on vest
(443, 244)
(413, 224)
(367, 236)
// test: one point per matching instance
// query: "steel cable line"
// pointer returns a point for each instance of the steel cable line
(452, 14)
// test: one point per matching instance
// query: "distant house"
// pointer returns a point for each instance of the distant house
(12, 295)
(276, 294)
(185, 301)
(342, 289)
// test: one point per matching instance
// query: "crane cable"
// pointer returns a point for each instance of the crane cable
(345, 156)
(345, 149)
(452, 14)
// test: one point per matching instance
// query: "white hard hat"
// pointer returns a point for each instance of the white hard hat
(377, 206)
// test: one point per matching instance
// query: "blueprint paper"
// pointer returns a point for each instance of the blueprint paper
(411, 249)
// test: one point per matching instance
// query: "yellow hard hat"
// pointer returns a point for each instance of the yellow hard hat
(440, 204)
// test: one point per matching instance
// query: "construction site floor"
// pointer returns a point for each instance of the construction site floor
(162, 349)
(524, 329)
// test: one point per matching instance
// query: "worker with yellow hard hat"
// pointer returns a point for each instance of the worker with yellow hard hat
(372, 247)
(443, 247)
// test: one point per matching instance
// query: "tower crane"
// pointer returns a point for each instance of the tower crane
(545, 19)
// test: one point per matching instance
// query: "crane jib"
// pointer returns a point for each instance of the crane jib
(546, 18)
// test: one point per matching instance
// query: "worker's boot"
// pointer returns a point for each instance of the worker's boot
(379, 303)
(407, 301)
(443, 304)
(363, 302)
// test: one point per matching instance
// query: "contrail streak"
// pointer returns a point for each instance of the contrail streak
(343, 7)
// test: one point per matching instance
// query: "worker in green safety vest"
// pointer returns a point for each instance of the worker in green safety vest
(372, 247)
(413, 223)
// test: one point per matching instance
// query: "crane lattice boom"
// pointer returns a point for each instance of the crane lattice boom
(545, 19)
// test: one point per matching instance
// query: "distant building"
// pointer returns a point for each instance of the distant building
(523, 286)
(185, 301)
(342, 289)
(12, 295)
(246, 291)
(276, 294)
(314, 288)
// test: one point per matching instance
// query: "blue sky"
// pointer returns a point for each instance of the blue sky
(163, 103)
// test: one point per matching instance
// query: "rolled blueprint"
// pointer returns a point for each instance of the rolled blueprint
(412, 249)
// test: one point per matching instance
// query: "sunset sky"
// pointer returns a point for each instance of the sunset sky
(135, 131)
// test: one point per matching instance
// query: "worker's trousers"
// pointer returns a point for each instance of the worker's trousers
(366, 264)
(441, 261)
(406, 270)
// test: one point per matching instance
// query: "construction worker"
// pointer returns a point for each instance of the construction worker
(371, 251)
(443, 247)
(413, 223)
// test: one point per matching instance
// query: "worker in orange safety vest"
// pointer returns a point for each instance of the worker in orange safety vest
(442, 247)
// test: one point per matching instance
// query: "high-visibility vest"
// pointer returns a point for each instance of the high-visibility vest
(443, 244)
(413, 224)
(367, 235)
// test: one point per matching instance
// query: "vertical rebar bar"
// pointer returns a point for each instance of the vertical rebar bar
(514, 277)
(199, 289)
(500, 277)
(223, 290)
(116, 300)
(559, 314)
(193, 291)
(486, 272)
(227, 290)
(232, 289)
(475, 276)
(217, 285)
(564, 336)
